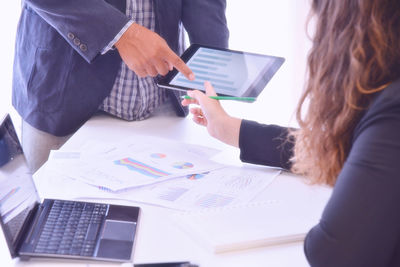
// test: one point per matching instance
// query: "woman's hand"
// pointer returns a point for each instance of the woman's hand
(211, 115)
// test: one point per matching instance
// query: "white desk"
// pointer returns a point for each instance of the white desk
(158, 238)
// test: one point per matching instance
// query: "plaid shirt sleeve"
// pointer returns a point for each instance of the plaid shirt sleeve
(111, 44)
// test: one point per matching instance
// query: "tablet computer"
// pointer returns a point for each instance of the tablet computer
(232, 73)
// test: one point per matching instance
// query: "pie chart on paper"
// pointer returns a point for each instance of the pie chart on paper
(158, 155)
(183, 165)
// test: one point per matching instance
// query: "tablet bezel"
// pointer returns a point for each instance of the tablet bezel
(254, 90)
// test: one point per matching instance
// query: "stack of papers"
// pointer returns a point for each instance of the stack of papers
(267, 220)
(221, 206)
(154, 171)
(133, 163)
(225, 187)
(247, 226)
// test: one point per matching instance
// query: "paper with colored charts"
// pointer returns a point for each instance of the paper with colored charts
(136, 162)
(221, 188)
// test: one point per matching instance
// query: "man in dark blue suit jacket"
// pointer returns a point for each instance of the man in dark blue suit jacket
(60, 74)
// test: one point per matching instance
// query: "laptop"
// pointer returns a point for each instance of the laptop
(57, 228)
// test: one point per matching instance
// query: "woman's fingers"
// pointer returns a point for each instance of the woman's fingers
(198, 116)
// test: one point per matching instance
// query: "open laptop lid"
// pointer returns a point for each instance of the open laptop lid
(18, 195)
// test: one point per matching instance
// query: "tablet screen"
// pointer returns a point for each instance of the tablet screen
(232, 73)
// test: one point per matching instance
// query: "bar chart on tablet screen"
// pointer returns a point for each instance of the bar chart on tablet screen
(229, 72)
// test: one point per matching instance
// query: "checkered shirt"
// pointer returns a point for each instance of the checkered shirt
(132, 97)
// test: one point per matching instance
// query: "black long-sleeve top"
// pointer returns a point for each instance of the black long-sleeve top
(360, 225)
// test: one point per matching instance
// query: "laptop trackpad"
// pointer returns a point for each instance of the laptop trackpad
(119, 230)
(116, 240)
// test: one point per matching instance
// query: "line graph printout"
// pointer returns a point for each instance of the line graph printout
(228, 186)
(218, 188)
(139, 161)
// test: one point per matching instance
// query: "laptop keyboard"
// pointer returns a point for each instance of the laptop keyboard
(71, 228)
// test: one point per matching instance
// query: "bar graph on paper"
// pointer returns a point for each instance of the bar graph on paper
(214, 201)
(172, 194)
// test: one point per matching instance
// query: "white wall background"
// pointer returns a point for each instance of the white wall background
(274, 28)
(8, 23)
(260, 26)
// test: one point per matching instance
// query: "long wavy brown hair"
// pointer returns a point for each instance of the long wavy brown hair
(355, 54)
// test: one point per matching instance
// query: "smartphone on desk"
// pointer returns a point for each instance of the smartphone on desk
(167, 264)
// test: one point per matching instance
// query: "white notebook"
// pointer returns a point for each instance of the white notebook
(261, 223)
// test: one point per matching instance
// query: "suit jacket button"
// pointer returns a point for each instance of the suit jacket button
(70, 35)
(77, 41)
(83, 47)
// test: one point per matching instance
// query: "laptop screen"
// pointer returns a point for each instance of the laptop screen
(18, 194)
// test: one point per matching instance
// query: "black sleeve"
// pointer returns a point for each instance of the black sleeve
(265, 144)
(360, 225)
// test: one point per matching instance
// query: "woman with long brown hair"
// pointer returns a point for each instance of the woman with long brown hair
(349, 136)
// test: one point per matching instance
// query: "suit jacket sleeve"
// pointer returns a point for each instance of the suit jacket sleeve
(88, 26)
(205, 22)
(265, 144)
